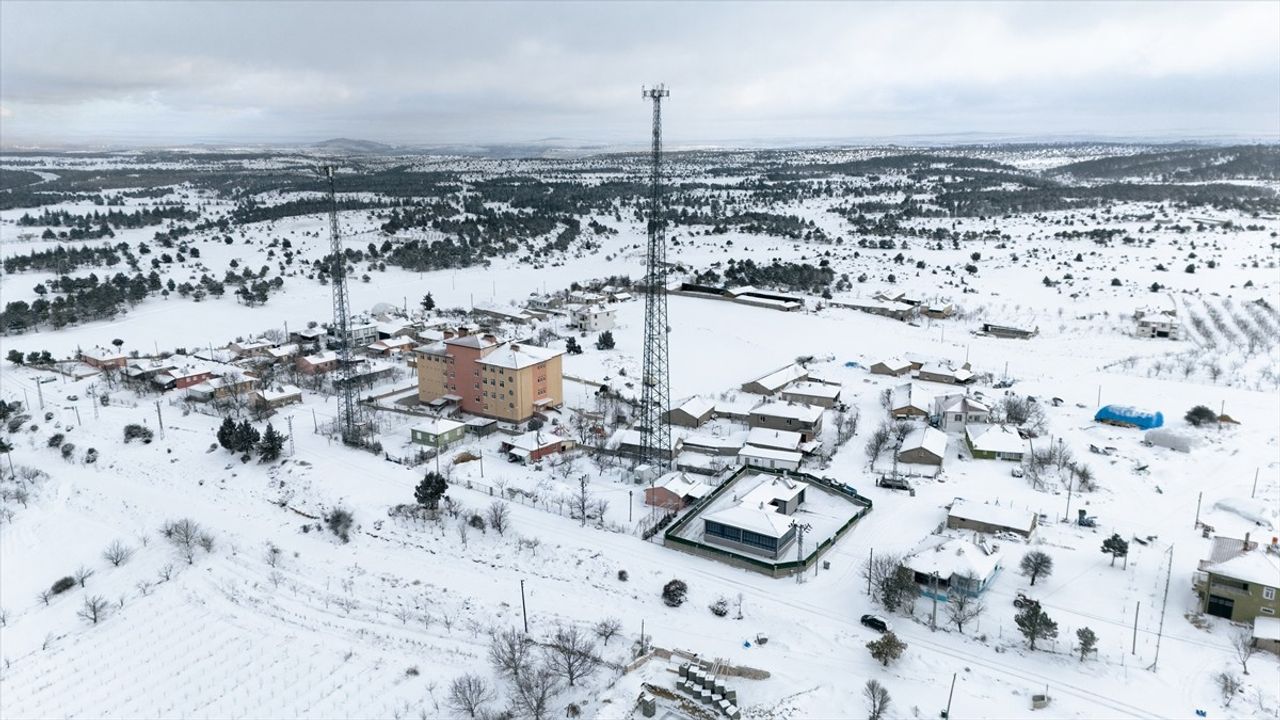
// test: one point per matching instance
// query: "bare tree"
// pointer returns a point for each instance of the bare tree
(1036, 564)
(1229, 683)
(607, 628)
(1242, 643)
(469, 694)
(93, 610)
(571, 654)
(117, 553)
(184, 534)
(45, 596)
(499, 516)
(82, 574)
(535, 688)
(462, 531)
(963, 608)
(580, 502)
(876, 444)
(510, 652)
(877, 697)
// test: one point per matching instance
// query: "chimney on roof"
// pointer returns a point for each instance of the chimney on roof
(491, 337)
(1246, 542)
(515, 347)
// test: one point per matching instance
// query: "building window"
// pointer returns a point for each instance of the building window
(1268, 593)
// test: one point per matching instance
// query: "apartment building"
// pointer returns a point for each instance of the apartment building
(503, 380)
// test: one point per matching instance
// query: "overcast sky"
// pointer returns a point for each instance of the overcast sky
(480, 72)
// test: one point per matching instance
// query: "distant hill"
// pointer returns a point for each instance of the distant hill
(348, 145)
(1186, 165)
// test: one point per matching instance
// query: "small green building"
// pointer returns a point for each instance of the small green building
(438, 432)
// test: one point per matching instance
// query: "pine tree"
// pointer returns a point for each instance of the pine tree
(271, 445)
(428, 302)
(1035, 624)
(1088, 641)
(245, 438)
(1116, 546)
(227, 434)
(887, 648)
(605, 341)
(430, 490)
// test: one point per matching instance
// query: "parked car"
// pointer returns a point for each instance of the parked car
(1016, 472)
(893, 483)
(1008, 536)
(877, 623)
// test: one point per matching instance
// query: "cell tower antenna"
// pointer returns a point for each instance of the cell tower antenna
(347, 425)
(655, 431)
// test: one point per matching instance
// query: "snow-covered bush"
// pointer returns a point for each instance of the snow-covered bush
(673, 593)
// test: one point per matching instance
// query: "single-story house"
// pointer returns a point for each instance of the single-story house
(995, 442)
(183, 377)
(797, 417)
(954, 412)
(761, 522)
(774, 439)
(140, 370)
(910, 401)
(776, 380)
(276, 397)
(939, 311)
(308, 336)
(692, 412)
(391, 346)
(923, 446)
(437, 432)
(253, 347)
(769, 458)
(733, 409)
(395, 327)
(103, 358)
(897, 311)
(676, 491)
(812, 393)
(317, 364)
(711, 444)
(221, 387)
(986, 518)
(534, 445)
(959, 566)
(505, 313)
(481, 426)
(584, 297)
(1159, 325)
(935, 372)
(285, 352)
(891, 366)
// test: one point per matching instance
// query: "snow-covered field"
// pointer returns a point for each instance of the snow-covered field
(278, 617)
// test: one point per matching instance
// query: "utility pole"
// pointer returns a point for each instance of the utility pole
(947, 713)
(1254, 491)
(630, 505)
(933, 616)
(801, 529)
(159, 420)
(525, 612)
(78, 424)
(1136, 608)
(655, 430)
(871, 558)
(1069, 486)
(1198, 499)
(40, 392)
(289, 421)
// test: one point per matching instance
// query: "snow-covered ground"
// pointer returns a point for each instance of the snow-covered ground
(379, 626)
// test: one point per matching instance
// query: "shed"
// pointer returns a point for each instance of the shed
(675, 491)
(437, 432)
(1167, 438)
(1129, 416)
(812, 393)
(892, 366)
(923, 446)
(988, 518)
(776, 380)
(1266, 634)
(692, 412)
(769, 458)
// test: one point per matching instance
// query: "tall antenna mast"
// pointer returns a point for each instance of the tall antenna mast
(655, 441)
(341, 319)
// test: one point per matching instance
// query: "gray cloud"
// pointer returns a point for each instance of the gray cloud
(492, 72)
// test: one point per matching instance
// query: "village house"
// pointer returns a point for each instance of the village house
(938, 311)
(774, 439)
(891, 366)
(275, 397)
(894, 310)
(812, 393)
(923, 446)
(1006, 331)
(692, 412)
(804, 419)
(362, 333)
(954, 412)
(936, 372)
(534, 445)
(769, 458)
(253, 347)
(506, 381)
(952, 566)
(675, 491)
(182, 377)
(220, 388)
(308, 336)
(391, 346)
(760, 523)
(710, 444)
(1158, 322)
(317, 364)
(104, 359)
(776, 380)
(775, 301)
(1239, 580)
(593, 318)
(284, 353)
(437, 432)
(395, 327)
(995, 442)
(584, 297)
(504, 313)
(909, 400)
(986, 518)
(140, 370)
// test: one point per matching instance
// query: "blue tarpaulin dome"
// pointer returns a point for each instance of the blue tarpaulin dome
(1128, 415)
